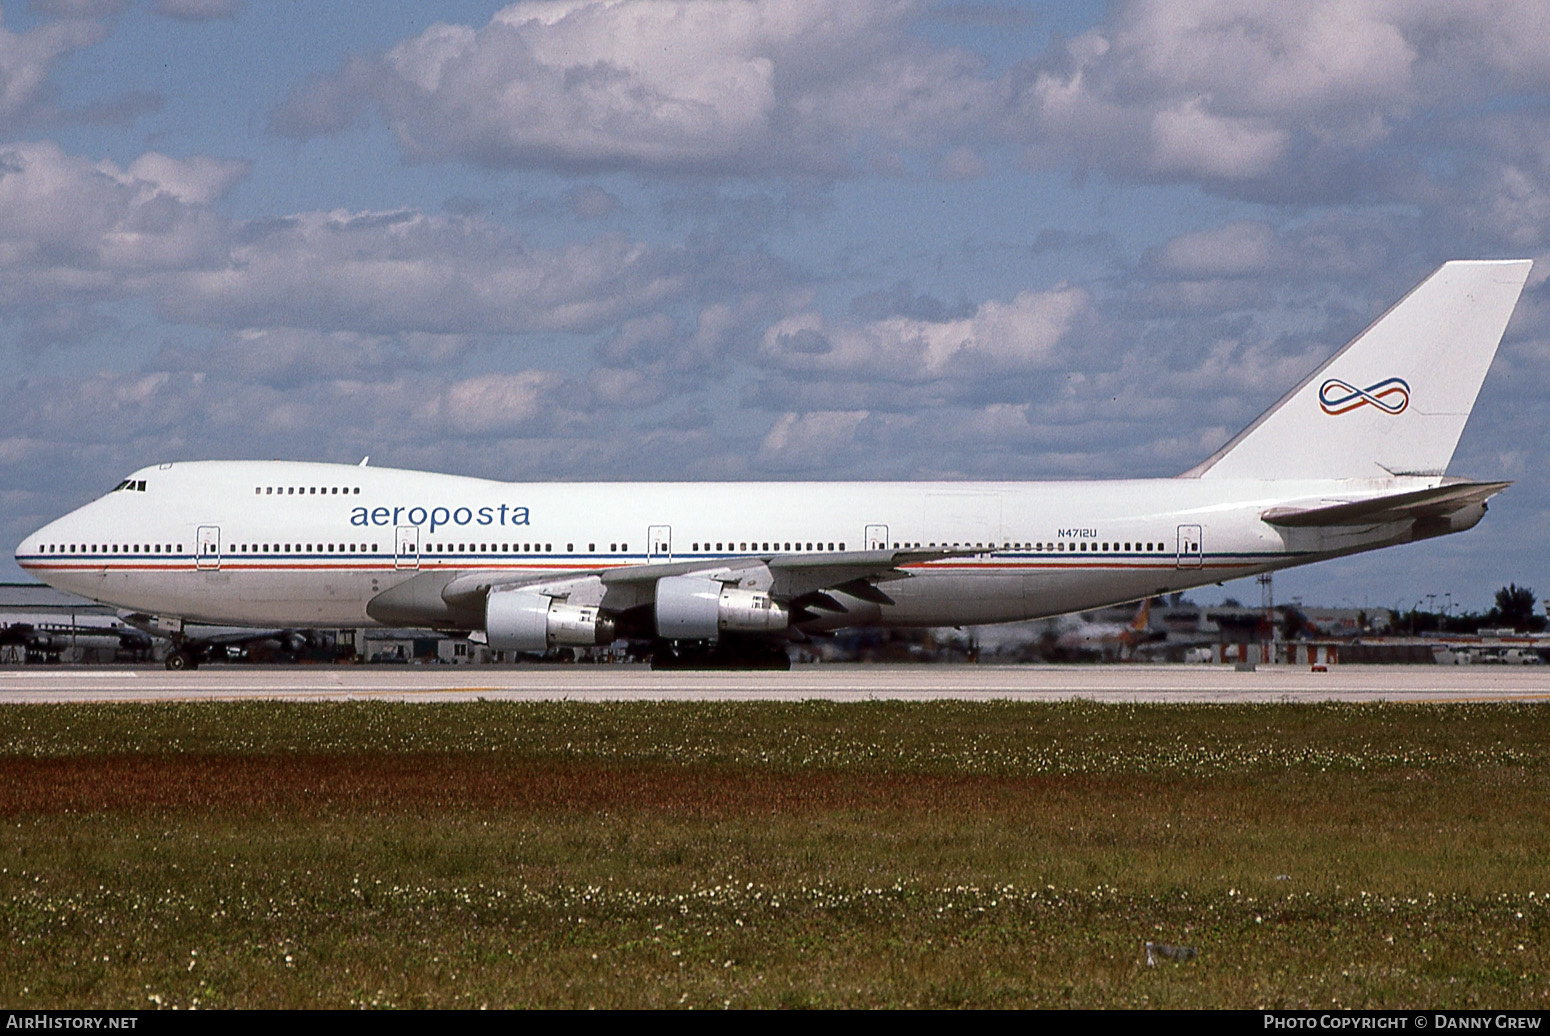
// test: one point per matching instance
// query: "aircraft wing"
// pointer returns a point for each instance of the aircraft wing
(792, 575)
(1437, 502)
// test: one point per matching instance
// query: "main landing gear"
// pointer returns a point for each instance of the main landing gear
(727, 653)
(185, 656)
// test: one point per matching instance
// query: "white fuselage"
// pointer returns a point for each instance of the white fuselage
(272, 543)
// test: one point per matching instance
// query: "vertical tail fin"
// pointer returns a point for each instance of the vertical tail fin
(1142, 620)
(1394, 400)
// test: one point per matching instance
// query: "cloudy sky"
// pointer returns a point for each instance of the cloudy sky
(715, 239)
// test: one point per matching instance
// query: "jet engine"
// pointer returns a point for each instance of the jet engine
(526, 620)
(696, 607)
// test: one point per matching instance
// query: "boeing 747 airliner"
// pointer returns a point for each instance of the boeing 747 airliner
(1352, 459)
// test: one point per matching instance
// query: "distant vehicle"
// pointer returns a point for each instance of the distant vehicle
(1352, 459)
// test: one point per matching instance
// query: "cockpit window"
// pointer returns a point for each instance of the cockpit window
(132, 485)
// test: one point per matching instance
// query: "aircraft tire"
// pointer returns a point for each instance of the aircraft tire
(180, 660)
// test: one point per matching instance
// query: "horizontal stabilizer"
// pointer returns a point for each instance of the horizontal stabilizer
(1437, 502)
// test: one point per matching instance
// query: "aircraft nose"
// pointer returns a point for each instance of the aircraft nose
(26, 551)
(29, 552)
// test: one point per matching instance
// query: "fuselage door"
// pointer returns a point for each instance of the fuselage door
(209, 547)
(407, 552)
(1191, 553)
(876, 537)
(659, 543)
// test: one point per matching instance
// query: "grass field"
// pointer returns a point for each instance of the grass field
(755, 854)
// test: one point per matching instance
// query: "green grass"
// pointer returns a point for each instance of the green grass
(753, 854)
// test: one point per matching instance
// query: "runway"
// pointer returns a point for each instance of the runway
(840, 683)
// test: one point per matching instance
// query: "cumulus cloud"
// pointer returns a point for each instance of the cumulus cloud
(1253, 265)
(1276, 101)
(591, 202)
(809, 441)
(1331, 100)
(492, 403)
(661, 85)
(198, 180)
(79, 8)
(198, 10)
(72, 228)
(28, 58)
(75, 231)
(288, 358)
(1018, 335)
(1190, 140)
(409, 270)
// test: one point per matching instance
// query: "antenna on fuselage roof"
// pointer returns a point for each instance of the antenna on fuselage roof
(364, 461)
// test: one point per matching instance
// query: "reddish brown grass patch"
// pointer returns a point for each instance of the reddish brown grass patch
(408, 783)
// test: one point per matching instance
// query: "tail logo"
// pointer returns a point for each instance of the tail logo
(1338, 397)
